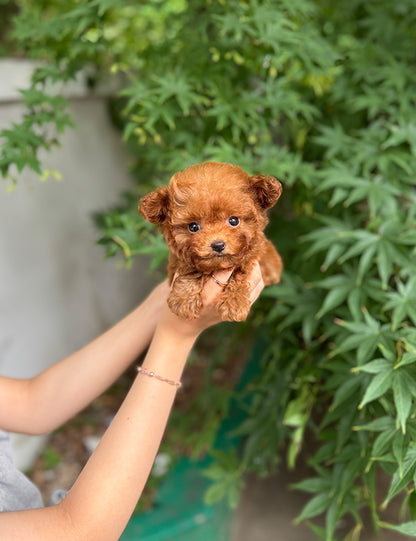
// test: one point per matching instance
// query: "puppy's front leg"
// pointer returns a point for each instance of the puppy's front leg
(185, 298)
(234, 303)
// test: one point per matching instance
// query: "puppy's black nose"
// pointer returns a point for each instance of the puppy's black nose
(218, 246)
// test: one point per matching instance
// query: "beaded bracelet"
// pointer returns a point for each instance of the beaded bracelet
(142, 370)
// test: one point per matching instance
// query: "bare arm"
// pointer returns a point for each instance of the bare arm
(102, 499)
(43, 403)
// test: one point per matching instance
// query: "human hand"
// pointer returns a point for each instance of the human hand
(209, 316)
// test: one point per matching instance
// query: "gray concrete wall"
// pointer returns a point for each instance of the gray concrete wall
(57, 291)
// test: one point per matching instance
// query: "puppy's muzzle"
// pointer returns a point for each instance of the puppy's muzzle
(218, 246)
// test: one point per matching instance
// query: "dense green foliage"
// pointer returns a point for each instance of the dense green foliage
(321, 94)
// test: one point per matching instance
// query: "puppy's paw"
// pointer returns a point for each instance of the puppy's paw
(185, 308)
(231, 310)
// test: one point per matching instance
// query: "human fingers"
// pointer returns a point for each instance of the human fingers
(216, 283)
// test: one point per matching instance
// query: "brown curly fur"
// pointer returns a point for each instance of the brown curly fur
(209, 194)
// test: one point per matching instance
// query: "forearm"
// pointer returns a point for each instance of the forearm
(120, 466)
(126, 453)
(61, 391)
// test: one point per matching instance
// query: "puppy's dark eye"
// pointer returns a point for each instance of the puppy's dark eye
(234, 221)
(194, 227)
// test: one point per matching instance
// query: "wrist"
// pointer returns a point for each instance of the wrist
(169, 349)
(153, 304)
(178, 339)
(177, 329)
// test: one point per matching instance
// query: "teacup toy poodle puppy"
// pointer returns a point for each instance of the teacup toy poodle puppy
(212, 217)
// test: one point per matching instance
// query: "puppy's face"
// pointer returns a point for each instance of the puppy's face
(212, 214)
(215, 231)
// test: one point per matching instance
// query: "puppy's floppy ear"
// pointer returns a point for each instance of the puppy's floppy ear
(155, 205)
(265, 189)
